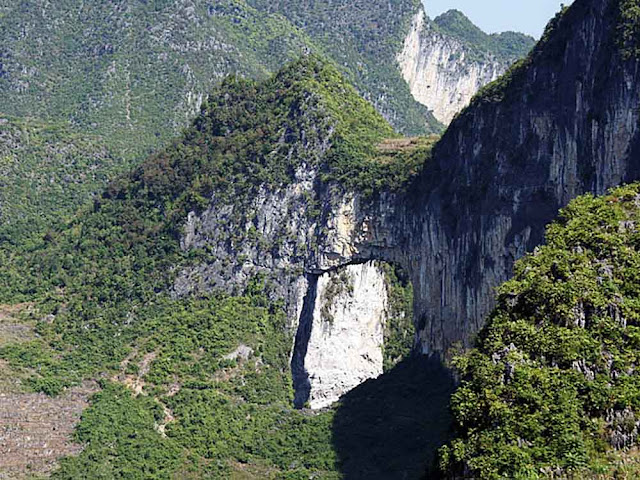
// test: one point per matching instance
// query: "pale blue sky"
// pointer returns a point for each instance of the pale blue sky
(528, 16)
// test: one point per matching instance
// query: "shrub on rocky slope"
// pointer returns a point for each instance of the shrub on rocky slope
(552, 387)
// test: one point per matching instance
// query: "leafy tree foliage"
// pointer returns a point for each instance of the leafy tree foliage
(552, 387)
(629, 28)
(48, 172)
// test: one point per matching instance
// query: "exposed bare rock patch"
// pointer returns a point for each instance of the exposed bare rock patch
(135, 382)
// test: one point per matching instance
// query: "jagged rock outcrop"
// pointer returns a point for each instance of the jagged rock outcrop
(337, 305)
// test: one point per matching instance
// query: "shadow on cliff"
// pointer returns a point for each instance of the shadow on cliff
(391, 427)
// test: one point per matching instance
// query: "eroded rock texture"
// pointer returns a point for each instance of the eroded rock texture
(564, 124)
(440, 70)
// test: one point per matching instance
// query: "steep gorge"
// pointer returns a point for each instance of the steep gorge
(277, 189)
(564, 122)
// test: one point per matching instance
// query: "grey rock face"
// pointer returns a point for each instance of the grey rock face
(341, 334)
(566, 124)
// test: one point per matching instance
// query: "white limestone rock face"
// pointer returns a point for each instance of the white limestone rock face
(346, 338)
(439, 71)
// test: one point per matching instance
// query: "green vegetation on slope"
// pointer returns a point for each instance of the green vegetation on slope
(399, 332)
(503, 47)
(145, 69)
(121, 440)
(134, 73)
(363, 37)
(103, 310)
(552, 388)
(119, 250)
(48, 172)
(214, 411)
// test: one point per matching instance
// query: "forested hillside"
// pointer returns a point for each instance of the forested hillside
(137, 72)
(132, 71)
(501, 47)
(364, 37)
(48, 171)
(131, 75)
(175, 317)
(209, 383)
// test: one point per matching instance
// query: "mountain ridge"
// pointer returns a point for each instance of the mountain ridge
(447, 60)
(504, 46)
(147, 67)
(195, 278)
(106, 285)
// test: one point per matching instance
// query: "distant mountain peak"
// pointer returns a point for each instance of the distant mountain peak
(505, 46)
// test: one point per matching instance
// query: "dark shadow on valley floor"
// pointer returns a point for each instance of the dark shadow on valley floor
(391, 427)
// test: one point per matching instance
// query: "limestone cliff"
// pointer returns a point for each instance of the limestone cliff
(563, 123)
(438, 71)
(341, 334)
(309, 228)
(338, 306)
(443, 71)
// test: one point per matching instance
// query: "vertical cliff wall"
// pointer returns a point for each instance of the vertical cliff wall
(340, 337)
(445, 61)
(562, 124)
(439, 70)
(337, 298)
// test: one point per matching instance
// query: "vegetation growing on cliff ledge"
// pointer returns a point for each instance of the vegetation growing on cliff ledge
(552, 387)
(399, 331)
(629, 28)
